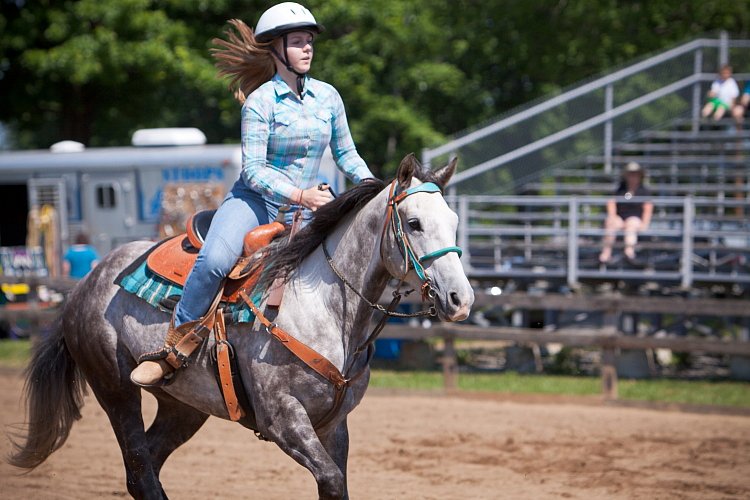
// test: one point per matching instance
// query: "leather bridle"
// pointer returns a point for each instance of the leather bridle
(411, 261)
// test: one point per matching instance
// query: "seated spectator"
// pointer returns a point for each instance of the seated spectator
(80, 258)
(631, 217)
(738, 112)
(724, 91)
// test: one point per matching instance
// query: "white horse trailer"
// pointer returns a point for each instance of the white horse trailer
(114, 194)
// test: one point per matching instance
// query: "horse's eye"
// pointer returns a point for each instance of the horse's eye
(414, 224)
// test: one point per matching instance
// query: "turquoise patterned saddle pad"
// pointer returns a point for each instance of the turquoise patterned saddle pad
(163, 294)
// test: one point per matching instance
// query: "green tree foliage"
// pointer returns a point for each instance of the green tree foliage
(95, 70)
(410, 71)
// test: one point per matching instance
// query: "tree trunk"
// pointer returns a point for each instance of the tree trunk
(77, 115)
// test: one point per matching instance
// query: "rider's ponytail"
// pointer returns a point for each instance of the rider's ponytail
(248, 62)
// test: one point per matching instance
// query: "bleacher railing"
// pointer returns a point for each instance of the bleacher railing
(589, 117)
(554, 238)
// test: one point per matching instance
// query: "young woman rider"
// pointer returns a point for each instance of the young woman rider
(288, 119)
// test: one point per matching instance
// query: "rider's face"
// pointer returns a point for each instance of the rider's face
(299, 49)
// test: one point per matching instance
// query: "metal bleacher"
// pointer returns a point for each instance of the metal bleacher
(533, 187)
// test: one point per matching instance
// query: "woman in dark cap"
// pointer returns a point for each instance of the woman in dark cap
(623, 214)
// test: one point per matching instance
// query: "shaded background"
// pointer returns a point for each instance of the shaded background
(410, 72)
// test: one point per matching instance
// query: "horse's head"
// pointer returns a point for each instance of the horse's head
(419, 240)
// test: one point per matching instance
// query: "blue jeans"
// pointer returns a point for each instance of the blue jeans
(242, 210)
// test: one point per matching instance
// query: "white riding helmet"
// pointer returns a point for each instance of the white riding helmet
(283, 18)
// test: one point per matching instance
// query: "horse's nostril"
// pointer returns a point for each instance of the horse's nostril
(454, 298)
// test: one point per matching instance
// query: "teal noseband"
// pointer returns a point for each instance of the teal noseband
(439, 253)
(403, 242)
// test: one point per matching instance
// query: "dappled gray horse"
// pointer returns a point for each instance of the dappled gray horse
(103, 330)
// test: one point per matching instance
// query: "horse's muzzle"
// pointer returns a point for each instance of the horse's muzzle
(455, 304)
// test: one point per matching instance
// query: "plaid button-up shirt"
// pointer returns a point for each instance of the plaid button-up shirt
(283, 138)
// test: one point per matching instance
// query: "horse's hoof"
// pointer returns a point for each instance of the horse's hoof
(152, 374)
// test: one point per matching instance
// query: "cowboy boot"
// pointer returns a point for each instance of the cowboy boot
(158, 368)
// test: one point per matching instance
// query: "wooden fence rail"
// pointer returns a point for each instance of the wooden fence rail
(605, 338)
(601, 338)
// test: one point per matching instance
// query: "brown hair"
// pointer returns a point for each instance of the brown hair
(248, 62)
(82, 239)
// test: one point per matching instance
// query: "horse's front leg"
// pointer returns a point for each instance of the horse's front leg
(293, 432)
(336, 444)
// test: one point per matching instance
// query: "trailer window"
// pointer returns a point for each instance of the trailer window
(105, 196)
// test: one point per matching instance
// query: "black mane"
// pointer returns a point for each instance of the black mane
(280, 259)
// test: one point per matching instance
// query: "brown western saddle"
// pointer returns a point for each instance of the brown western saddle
(173, 259)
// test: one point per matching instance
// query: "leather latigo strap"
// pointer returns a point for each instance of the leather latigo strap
(212, 320)
(223, 363)
(305, 353)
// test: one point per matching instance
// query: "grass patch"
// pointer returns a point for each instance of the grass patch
(492, 382)
(14, 353)
(723, 393)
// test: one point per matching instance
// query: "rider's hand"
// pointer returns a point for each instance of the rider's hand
(313, 198)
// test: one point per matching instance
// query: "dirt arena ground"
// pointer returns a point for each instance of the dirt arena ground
(416, 446)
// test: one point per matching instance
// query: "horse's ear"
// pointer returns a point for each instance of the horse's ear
(444, 174)
(406, 170)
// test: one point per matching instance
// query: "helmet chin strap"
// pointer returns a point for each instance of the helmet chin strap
(285, 61)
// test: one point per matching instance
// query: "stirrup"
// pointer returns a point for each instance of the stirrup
(155, 355)
(170, 354)
(182, 341)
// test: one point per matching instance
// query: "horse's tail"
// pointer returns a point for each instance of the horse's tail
(54, 397)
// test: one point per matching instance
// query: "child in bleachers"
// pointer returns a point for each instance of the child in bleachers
(738, 112)
(721, 97)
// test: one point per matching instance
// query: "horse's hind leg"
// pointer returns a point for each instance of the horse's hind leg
(174, 424)
(123, 407)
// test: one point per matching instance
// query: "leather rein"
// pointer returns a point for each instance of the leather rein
(319, 363)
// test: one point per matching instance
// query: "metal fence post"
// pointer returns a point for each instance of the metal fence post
(463, 232)
(697, 70)
(573, 241)
(723, 48)
(453, 197)
(686, 266)
(426, 157)
(608, 105)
